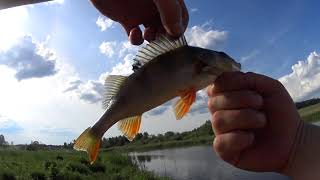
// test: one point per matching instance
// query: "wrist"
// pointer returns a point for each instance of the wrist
(304, 162)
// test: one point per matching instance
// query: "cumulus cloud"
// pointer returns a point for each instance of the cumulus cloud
(304, 80)
(211, 39)
(73, 85)
(29, 59)
(127, 48)
(9, 126)
(13, 21)
(92, 91)
(104, 23)
(193, 10)
(55, 2)
(108, 48)
(52, 131)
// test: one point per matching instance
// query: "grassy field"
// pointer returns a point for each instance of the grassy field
(310, 113)
(64, 164)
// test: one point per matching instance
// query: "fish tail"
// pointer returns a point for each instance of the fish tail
(88, 142)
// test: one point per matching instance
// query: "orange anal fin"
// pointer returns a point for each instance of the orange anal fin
(130, 126)
(182, 106)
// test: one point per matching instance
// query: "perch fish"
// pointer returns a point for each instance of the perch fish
(170, 68)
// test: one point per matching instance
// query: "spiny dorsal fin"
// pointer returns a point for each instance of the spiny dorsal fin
(112, 85)
(130, 126)
(160, 46)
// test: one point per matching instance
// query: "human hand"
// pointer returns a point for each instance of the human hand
(157, 16)
(254, 119)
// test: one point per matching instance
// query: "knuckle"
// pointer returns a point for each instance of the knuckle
(218, 145)
(217, 121)
(220, 149)
(210, 105)
(256, 99)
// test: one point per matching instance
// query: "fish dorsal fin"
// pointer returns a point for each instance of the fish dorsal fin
(112, 85)
(161, 45)
(130, 126)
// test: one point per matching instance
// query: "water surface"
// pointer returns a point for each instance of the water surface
(198, 162)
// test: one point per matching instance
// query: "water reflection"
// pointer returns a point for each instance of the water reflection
(194, 163)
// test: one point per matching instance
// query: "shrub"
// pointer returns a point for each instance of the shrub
(7, 176)
(38, 176)
(97, 167)
(80, 168)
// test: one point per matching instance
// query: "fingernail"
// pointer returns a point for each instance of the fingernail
(175, 29)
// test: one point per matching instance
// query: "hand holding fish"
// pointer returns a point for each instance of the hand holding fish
(157, 16)
(258, 127)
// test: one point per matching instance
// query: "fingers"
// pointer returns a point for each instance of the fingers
(225, 121)
(235, 100)
(230, 145)
(239, 80)
(135, 34)
(149, 33)
(171, 16)
(185, 14)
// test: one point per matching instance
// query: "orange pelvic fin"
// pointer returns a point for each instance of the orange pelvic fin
(130, 126)
(182, 106)
(89, 143)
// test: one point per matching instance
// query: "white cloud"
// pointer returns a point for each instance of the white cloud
(304, 80)
(128, 48)
(13, 22)
(39, 104)
(30, 59)
(104, 23)
(194, 10)
(211, 39)
(92, 91)
(249, 56)
(55, 2)
(108, 48)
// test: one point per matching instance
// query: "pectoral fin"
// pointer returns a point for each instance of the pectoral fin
(130, 126)
(182, 106)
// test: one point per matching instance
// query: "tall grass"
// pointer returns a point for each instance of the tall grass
(64, 164)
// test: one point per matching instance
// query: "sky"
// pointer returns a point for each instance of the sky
(55, 56)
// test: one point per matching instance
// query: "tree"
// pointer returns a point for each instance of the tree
(2, 140)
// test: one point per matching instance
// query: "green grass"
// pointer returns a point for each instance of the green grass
(64, 164)
(310, 113)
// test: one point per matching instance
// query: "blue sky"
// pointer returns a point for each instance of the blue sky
(54, 57)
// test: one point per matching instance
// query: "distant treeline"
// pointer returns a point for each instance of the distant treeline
(145, 138)
(141, 138)
(306, 103)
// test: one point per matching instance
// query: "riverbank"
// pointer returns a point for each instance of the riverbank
(69, 164)
(204, 140)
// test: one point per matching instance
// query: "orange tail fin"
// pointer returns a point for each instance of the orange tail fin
(89, 143)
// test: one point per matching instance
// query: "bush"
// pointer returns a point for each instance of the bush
(80, 168)
(97, 167)
(38, 176)
(7, 176)
(67, 176)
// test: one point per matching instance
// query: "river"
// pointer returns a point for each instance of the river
(197, 162)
